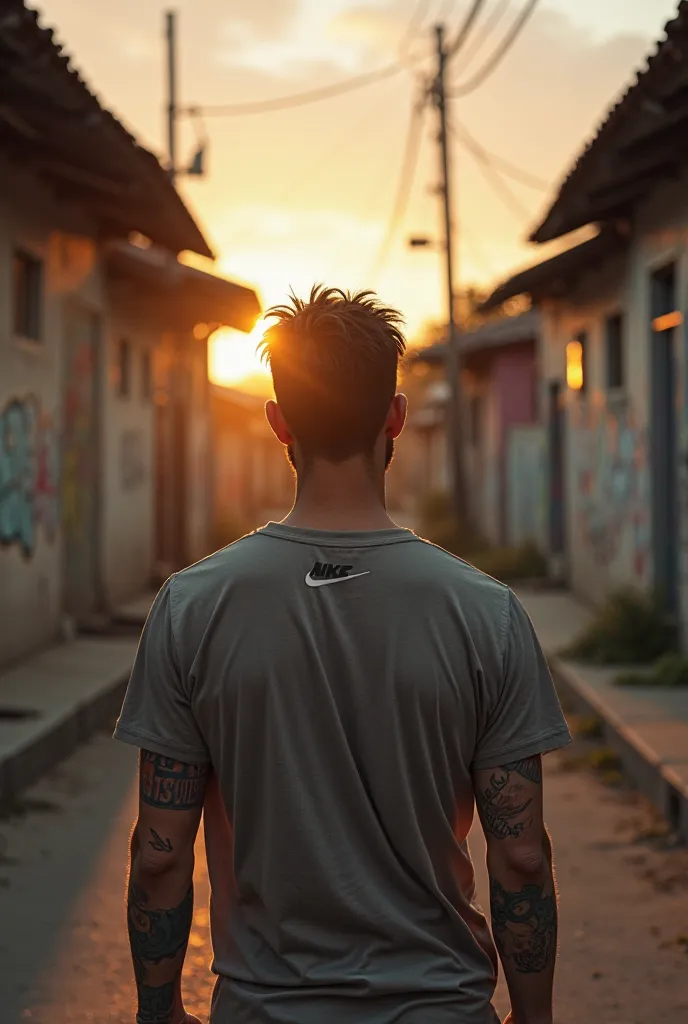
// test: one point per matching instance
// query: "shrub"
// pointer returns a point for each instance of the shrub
(437, 522)
(630, 628)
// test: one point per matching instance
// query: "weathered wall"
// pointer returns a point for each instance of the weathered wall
(128, 444)
(526, 473)
(607, 506)
(31, 415)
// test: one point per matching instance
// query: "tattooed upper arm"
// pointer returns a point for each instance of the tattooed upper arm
(171, 785)
(171, 795)
(509, 799)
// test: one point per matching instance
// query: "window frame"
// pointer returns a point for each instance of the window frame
(28, 323)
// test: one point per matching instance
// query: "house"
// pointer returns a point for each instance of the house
(503, 440)
(252, 481)
(613, 345)
(104, 422)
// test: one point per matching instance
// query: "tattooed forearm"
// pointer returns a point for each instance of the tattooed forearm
(525, 925)
(158, 940)
(170, 784)
(504, 805)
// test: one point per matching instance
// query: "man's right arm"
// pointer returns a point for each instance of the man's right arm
(522, 891)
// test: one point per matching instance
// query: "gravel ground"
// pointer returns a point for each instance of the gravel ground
(63, 951)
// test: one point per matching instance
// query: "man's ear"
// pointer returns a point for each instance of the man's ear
(396, 417)
(277, 422)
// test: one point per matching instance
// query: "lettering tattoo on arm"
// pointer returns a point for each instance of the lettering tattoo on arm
(524, 924)
(158, 940)
(171, 785)
(503, 806)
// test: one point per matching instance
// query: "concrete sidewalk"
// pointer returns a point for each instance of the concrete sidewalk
(647, 726)
(55, 700)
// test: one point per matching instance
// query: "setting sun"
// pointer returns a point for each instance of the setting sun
(233, 358)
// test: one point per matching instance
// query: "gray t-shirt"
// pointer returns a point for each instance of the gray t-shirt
(342, 686)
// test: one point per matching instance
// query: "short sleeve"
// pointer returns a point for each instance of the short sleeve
(527, 718)
(157, 713)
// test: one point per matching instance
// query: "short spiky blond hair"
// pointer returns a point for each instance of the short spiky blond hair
(334, 361)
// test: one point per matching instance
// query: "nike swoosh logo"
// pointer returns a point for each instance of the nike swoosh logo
(310, 582)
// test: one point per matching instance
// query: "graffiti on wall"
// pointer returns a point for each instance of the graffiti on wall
(29, 474)
(613, 488)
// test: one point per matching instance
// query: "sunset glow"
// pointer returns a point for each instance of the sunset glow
(233, 358)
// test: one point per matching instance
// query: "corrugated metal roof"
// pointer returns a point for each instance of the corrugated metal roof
(51, 121)
(552, 275)
(214, 298)
(622, 162)
(510, 330)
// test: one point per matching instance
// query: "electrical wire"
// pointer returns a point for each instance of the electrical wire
(404, 185)
(465, 30)
(493, 62)
(507, 167)
(485, 33)
(493, 177)
(298, 99)
(415, 25)
(301, 99)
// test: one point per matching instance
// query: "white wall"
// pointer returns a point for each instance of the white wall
(30, 408)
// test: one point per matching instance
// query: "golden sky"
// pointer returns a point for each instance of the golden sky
(302, 196)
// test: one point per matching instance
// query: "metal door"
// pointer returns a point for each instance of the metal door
(664, 383)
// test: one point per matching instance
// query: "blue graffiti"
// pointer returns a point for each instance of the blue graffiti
(29, 474)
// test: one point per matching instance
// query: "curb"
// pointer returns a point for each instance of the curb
(25, 767)
(654, 779)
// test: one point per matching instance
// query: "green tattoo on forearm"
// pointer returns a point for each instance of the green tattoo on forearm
(158, 940)
(525, 926)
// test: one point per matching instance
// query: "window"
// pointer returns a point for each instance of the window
(614, 352)
(146, 374)
(123, 368)
(27, 295)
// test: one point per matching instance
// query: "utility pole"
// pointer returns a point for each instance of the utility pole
(170, 20)
(455, 421)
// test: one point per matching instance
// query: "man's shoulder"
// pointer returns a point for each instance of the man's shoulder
(456, 572)
(218, 568)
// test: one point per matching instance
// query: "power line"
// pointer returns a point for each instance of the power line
(493, 177)
(512, 170)
(405, 183)
(298, 99)
(499, 54)
(488, 28)
(465, 29)
(302, 99)
(415, 25)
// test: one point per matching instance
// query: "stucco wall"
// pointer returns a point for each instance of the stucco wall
(128, 445)
(609, 437)
(31, 385)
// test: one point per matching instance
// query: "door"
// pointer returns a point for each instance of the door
(80, 471)
(556, 422)
(664, 384)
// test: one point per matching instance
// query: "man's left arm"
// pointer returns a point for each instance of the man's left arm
(160, 892)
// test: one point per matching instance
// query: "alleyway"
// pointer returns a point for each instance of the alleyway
(63, 952)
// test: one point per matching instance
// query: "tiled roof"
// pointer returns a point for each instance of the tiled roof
(644, 137)
(52, 122)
